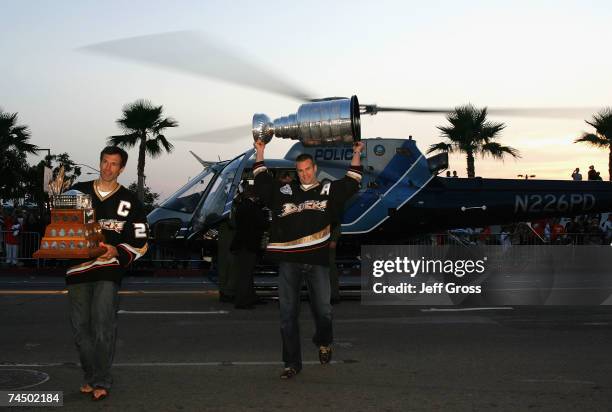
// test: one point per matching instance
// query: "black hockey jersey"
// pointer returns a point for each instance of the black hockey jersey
(124, 225)
(300, 230)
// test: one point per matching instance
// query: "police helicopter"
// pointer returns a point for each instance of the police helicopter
(401, 193)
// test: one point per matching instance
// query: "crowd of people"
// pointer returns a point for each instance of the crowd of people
(592, 174)
(580, 230)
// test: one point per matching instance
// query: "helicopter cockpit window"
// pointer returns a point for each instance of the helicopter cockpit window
(214, 204)
(187, 197)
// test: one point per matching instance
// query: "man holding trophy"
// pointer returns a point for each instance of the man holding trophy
(93, 285)
(303, 214)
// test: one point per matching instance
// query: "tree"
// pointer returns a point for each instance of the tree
(602, 138)
(14, 147)
(143, 125)
(32, 180)
(150, 198)
(472, 134)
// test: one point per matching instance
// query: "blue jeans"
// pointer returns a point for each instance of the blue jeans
(291, 277)
(93, 314)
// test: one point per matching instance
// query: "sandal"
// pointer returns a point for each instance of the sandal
(86, 389)
(288, 373)
(98, 394)
(325, 354)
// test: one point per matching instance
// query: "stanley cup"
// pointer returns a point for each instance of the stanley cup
(328, 122)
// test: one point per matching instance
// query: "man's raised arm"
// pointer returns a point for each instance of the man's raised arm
(263, 181)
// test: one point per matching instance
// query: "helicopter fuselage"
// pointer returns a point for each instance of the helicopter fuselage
(400, 196)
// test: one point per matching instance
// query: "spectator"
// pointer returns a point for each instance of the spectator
(591, 173)
(13, 235)
(455, 173)
(598, 176)
(251, 221)
(594, 233)
(557, 232)
(547, 231)
(484, 238)
(576, 175)
(285, 178)
(448, 173)
(504, 238)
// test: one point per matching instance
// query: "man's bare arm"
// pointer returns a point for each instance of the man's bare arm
(357, 148)
(260, 148)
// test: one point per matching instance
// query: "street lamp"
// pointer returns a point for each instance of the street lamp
(90, 167)
(48, 151)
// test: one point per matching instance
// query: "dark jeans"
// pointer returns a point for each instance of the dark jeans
(93, 314)
(291, 277)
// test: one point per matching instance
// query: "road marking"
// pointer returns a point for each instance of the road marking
(121, 292)
(144, 282)
(171, 312)
(173, 364)
(568, 381)
(33, 292)
(169, 292)
(466, 309)
(424, 320)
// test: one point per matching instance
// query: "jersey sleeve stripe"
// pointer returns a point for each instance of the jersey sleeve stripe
(93, 264)
(135, 253)
(354, 175)
(258, 168)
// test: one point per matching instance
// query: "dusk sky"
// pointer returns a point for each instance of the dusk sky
(404, 53)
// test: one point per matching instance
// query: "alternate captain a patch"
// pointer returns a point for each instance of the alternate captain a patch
(325, 190)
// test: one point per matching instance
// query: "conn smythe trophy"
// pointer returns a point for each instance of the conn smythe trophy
(73, 232)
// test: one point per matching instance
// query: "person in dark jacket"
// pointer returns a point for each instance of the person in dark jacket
(251, 221)
(93, 285)
(303, 213)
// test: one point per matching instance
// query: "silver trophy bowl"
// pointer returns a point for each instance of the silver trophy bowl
(328, 122)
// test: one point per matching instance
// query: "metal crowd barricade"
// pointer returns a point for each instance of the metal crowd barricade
(28, 243)
(165, 258)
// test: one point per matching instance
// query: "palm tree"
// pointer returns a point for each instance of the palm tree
(143, 125)
(14, 147)
(602, 122)
(14, 137)
(471, 133)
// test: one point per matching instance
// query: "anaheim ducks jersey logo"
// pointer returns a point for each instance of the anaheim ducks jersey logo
(112, 224)
(291, 208)
(286, 190)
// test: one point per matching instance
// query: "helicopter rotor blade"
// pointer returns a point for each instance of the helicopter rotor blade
(194, 53)
(373, 109)
(225, 135)
(554, 112)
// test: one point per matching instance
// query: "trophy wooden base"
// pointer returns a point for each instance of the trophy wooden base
(88, 253)
(72, 234)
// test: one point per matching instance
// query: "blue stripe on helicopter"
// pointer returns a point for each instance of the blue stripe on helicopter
(394, 195)
(390, 175)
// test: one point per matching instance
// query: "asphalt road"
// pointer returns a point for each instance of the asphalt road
(178, 348)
